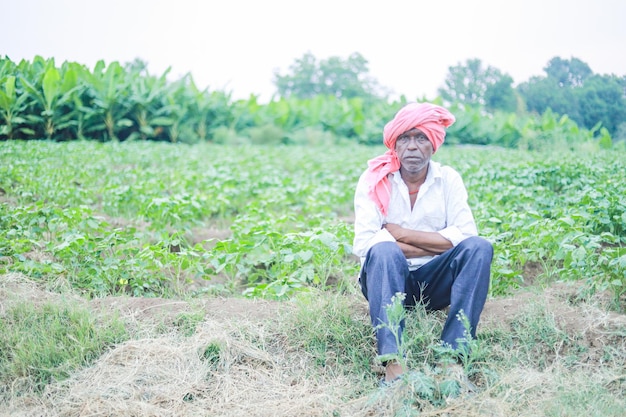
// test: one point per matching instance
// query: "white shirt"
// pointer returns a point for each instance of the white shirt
(441, 206)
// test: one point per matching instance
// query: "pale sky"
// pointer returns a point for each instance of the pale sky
(235, 45)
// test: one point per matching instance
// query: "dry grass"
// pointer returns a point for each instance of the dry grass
(241, 359)
(166, 376)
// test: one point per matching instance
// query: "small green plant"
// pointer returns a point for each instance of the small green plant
(396, 315)
(212, 354)
(186, 323)
(469, 350)
(437, 382)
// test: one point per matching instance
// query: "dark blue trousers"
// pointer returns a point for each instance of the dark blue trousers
(458, 278)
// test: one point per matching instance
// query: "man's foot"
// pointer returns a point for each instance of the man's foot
(393, 370)
(386, 384)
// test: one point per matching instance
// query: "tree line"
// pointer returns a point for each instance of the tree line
(569, 87)
(317, 102)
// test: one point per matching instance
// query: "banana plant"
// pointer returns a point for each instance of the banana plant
(217, 109)
(174, 116)
(197, 109)
(147, 98)
(204, 110)
(51, 98)
(11, 106)
(338, 115)
(109, 88)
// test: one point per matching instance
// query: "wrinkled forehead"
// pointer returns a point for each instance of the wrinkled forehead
(413, 132)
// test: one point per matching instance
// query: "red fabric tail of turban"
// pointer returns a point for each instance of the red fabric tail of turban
(430, 119)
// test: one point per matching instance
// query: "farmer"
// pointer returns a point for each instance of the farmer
(415, 233)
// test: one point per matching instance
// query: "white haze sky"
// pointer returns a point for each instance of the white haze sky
(236, 45)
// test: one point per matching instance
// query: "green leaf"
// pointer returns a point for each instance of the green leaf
(51, 86)
(327, 239)
(9, 86)
(162, 121)
(5, 101)
(7, 97)
(450, 388)
(305, 255)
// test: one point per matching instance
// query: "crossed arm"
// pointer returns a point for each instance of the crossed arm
(415, 243)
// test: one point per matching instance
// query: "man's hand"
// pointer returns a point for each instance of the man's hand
(424, 243)
(397, 231)
(413, 251)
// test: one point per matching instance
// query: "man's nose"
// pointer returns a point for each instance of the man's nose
(413, 144)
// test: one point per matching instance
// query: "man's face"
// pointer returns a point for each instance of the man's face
(414, 150)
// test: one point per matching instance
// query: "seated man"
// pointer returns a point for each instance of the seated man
(415, 233)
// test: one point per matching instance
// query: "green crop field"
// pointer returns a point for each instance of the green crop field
(191, 223)
(136, 218)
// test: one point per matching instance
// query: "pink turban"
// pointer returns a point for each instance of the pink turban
(430, 119)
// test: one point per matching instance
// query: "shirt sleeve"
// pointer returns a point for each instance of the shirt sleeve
(368, 222)
(459, 219)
